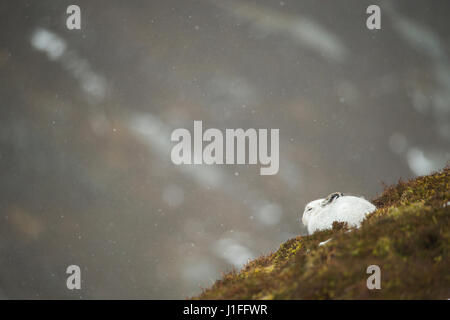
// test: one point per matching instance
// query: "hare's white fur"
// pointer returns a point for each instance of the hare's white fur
(320, 214)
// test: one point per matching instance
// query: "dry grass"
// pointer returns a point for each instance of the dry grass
(408, 237)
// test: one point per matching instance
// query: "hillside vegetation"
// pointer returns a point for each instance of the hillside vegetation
(408, 237)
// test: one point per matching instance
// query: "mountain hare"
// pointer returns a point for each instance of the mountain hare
(320, 214)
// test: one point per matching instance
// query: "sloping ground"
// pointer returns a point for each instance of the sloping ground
(408, 237)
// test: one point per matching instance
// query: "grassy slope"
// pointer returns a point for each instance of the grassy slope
(408, 237)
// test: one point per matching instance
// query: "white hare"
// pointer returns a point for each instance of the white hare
(320, 214)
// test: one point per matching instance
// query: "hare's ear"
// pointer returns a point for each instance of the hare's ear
(331, 197)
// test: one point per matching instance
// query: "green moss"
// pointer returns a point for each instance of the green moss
(408, 237)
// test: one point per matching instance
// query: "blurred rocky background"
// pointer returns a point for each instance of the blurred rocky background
(86, 116)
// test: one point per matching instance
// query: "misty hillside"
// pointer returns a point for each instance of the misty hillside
(86, 118)
(408, 237)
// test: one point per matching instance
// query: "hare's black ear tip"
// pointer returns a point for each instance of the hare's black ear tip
(335, 195)
(331, 197)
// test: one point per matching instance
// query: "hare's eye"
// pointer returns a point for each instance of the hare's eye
(309, 209)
